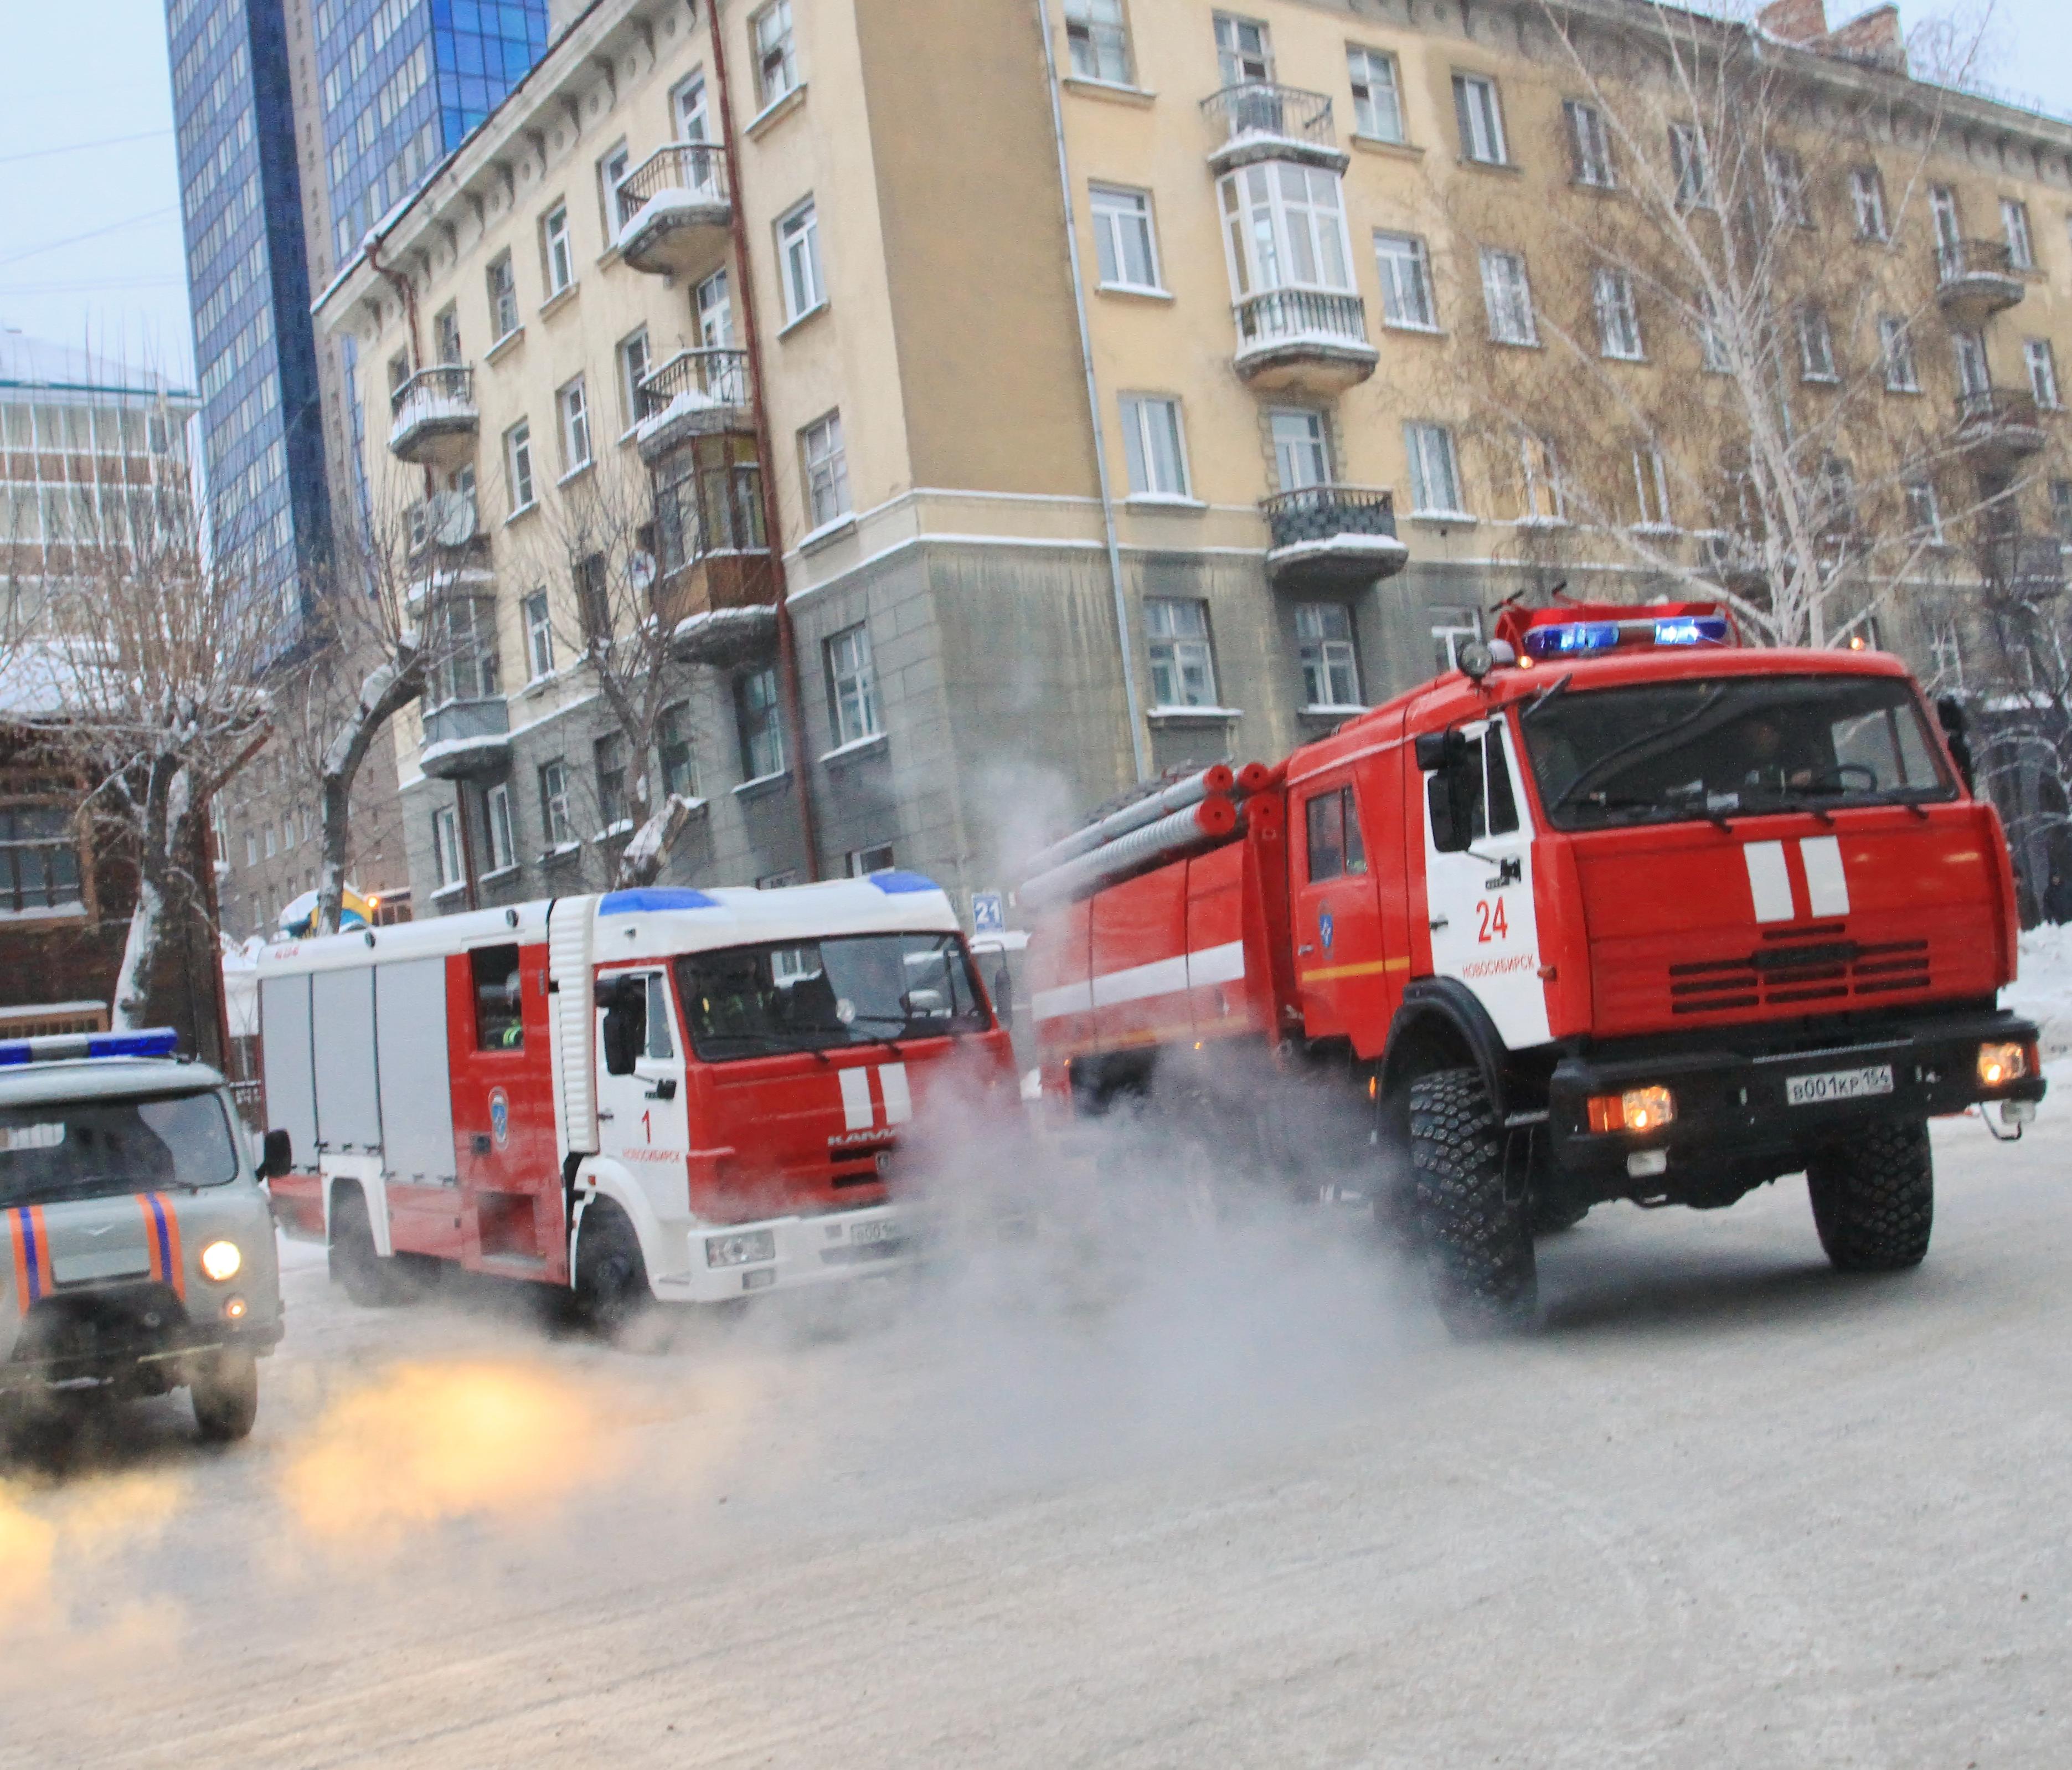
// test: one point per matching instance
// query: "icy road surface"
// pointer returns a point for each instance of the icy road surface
(1239, 1504)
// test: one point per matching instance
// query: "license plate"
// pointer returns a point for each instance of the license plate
(883, 1230)
(1838, 1085)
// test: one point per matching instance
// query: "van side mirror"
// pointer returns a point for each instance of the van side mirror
(625, 1004)
(277, 1154)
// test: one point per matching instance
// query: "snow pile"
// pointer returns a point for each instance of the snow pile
(2043, 991)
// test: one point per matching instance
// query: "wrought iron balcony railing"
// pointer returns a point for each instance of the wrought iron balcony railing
(697, 168)
(712, 377)
(1259, 107)
(1965, 258)
(2022, 568)
(1288, 315)
(443, 387)
(1320, 512)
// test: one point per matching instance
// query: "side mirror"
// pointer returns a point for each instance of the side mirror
(277, 1154)
(1951, 711)
(1438, 749)
(1453, 823)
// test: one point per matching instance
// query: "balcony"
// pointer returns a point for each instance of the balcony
(1307, 340)
(464, 739)
(1260, 121)
(435, 422)
(696, 393)
(1997, 426)
(1976, 279)
(441, 525)
(674, 210)
(1325, 536)
(2022, 568)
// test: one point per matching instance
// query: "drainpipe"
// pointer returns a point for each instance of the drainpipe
(402, 284)
(787, 648)
(1138, 750)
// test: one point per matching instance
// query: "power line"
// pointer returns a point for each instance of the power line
(80, 147)
(92, 233)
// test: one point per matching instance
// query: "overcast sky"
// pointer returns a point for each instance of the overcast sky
(90, 239)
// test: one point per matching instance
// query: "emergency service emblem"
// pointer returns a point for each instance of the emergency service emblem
(1324, 928)
(499, 1116)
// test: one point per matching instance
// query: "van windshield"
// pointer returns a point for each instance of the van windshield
(78, 1149)
(859, 989)
(1729, 747)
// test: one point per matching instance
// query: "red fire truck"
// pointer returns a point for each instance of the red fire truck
(1619, 909)
(690, 1095)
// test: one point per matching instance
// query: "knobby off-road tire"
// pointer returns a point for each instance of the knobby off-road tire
(1552, 1216)
(368, 1280)
(225, 1394)
(1874, 1198)
(1478, 1245)
(610, 1288)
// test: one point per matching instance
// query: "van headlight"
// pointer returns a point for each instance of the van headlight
(740, 1250)
(222, 1261)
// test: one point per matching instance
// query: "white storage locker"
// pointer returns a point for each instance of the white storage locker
(416, 1090)
(291, 1094)
(341, 1046)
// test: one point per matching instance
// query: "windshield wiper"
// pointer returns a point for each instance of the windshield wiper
(772, 1044)
(1554, 689)
(1638, 748)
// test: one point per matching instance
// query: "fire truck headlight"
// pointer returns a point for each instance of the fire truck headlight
(1637, 1109)
(221, 1261)
(740, 1250)
(1999, 1064)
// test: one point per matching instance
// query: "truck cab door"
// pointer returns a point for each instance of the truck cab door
(1341, 961)
(642, 1109)
(1478, 881)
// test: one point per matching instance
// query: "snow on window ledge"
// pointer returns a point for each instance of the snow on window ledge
(444, 891)
(758, 783)
(842, 752)
(1182, 715)
(43, 912)
(560, 851)
(612, 832)
(494, 873)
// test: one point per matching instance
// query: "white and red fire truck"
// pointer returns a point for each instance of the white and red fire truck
(686, 1094)
(1620, 909)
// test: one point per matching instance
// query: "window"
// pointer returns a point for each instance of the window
(1098, 37)
(1435, 480)
(1123, 244)
(798, 260)
(1590, 152)
(1785, 175)
(1838, 494)
(1285, 227)
(503, 297)
(559, 828)
(1896, 345)
(399, 372)
(1619, 321)
(1712, 340)
(826, 470)
(776, 54)
(1687, 164)
(574, 405)
(755, 719)
(1541, 479)
(1480, 119)
(613, 807)
(271, 848)
(1867, 197)
(518, 466)
(687, 105)
(852, 686)
(1945, 656)
(1406, 281)
(1183, 668)
(446, 333)
(556, 250)
(1324, 641)
(539, 636)
(447, 867)
(1334, 844)
(38, 859)
(2061, 508)
(2042, 367)
(1451, 629)
(612, 172)
(496, 814)
(679, 766)
(1816, 344)
(1924, 515)
(1508, 297)
(2014, 224)
(464, 662)
(1650, 485)
(1301, 456)
(861, 862)
(251, 849)
(590, 578)
(1377, 99)
(500, 999)
(1949, 228)
(1151, 443)
(1244, 52)
(633, 364)
(1969, 349)
(715, 312)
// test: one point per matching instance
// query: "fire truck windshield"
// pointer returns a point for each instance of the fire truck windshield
(855, 990)
(1712, 748)
(75, 1149)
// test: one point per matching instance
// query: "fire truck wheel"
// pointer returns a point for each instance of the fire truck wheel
(1874, 1198)
(225, 1393)
(367, 1279)
(610, 1278)
(1551, 1217)
(1478, 1244)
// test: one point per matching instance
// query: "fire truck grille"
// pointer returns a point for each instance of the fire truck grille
(1812, 973)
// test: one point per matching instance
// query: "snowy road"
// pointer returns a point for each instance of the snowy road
(1241, 1505)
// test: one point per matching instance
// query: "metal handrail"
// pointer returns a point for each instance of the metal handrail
(1316, 513)
(1261, 107)
(679, 165)
(1963, 258)
(1998, 408)
(2023, 566)
(1275, 314)
(450, 383)
(720, 375)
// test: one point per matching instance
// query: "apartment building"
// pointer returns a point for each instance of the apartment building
(1026, 396)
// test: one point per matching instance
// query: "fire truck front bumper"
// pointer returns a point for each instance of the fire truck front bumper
(1625, 1114)
(788, 1253)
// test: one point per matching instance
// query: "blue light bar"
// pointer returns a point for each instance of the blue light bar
(70, 1047)
(1572, 638)
(1691, 630)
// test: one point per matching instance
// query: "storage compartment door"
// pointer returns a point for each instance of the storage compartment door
(342, 1022)
(291, 1090)
(417, 1088)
